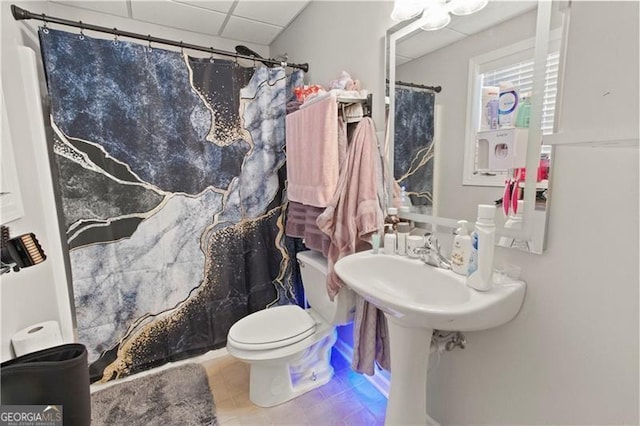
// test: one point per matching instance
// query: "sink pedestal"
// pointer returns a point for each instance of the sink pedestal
(410, 347)
(417, 299)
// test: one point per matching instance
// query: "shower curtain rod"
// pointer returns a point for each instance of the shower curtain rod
(20, 14)
(436, 89)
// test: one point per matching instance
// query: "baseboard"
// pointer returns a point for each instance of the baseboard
(380, 380)
(216, 353)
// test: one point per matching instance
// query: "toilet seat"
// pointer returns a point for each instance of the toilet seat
(272, 328)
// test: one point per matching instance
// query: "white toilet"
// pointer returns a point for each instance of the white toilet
(289, 348)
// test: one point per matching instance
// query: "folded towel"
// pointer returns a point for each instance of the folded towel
(301, 223)
(313, 158)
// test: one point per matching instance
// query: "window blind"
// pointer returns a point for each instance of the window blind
(521, 75)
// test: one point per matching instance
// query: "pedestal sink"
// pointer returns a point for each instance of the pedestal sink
(416, 299)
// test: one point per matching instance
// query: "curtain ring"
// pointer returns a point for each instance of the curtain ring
(81, 36)
(181, 48)
(211, 57)
(115, 37)
(149, 42)
(45, 29)
(235, 63)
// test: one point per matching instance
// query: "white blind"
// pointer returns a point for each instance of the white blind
(521, 75)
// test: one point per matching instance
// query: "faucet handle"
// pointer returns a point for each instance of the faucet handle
(431, 240)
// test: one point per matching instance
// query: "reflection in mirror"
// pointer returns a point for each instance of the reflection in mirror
(414, 146)
(479, 155)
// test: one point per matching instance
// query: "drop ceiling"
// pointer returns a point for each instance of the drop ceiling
(244, 20)
(422, 42)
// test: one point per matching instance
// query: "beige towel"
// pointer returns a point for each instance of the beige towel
(313, 154)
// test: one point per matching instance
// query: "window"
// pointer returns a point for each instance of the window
(485, 163)
(521, 75)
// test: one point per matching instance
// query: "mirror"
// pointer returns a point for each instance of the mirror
(465, 161)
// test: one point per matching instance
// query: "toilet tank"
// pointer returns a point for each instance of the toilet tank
(313, 267)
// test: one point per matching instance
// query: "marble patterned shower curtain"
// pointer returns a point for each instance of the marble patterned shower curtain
(413, 144)
(170, 175)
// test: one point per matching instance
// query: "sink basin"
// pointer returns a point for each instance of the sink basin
(416, 299)
(420, 295)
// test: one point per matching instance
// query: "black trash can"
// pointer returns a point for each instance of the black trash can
(53, 376)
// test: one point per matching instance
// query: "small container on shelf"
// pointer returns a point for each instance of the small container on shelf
(391, 221)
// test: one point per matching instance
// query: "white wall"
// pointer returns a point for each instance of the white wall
(571, 355)
(40, 293)
(336, 36)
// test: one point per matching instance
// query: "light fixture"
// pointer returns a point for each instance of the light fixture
(406, 9)
(435, 17)
(466, 7)
(435, 13)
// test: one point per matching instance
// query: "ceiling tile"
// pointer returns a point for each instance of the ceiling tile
(493, 14)
(112, 7)
(178, 15)
(215, 5)
(402, 60)
(423, 42)
(271, 12)
(250, 31)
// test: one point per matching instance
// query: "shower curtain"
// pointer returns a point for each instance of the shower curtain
(413, 144)
(170, 175)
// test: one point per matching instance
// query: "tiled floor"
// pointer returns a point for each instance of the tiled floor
(348, 399)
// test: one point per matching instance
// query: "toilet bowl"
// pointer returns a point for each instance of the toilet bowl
(287, 347)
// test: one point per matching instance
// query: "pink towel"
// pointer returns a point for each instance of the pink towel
(301, 223)
(313, 154)
(349, 220)
(354, 213)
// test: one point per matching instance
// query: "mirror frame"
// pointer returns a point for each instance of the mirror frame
(534, 140)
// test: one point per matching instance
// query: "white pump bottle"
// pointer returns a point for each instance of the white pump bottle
(461, 251)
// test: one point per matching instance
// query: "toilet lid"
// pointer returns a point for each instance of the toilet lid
(272, 328)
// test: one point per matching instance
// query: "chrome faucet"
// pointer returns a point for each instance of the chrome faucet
(431, 254)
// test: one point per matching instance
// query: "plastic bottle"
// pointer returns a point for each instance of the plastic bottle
(482, 247)
(403, 232)
(507, 104)
(375, 243)
(523, 117)
(489, 120)
(514, 221)
(405, 201)
(390, 243)
(461, 251)
(391, 221)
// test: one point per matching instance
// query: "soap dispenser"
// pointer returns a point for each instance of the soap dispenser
(461, 250)
(482, 247)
